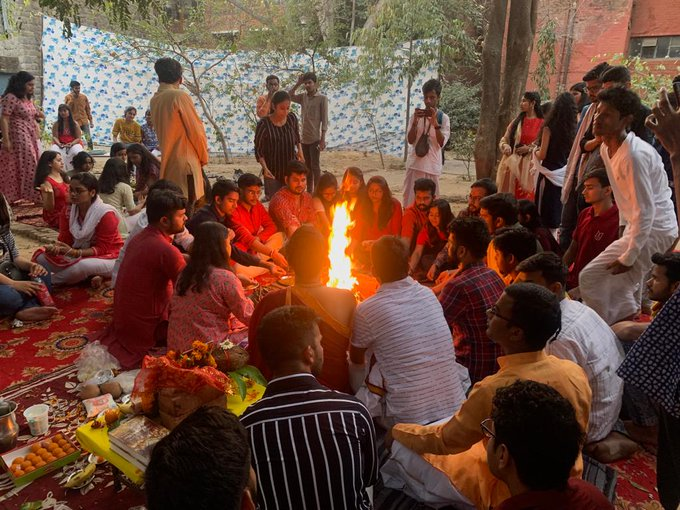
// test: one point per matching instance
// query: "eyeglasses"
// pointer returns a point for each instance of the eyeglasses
(77, 191)
(487, 428)
(494, 311)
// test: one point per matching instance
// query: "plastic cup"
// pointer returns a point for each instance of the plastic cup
(38, 419)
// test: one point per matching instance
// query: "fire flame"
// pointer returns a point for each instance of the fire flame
(340, 272)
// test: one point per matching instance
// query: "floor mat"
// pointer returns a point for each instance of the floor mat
(29, 214)
(35, 348)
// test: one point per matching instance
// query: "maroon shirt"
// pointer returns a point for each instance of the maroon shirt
(412, 221)
(593, 234)
(578, 495)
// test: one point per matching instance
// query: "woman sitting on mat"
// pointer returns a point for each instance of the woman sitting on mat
(115, 190)
(88, 241)
(209, 303)
(52, 182)
(18, 297)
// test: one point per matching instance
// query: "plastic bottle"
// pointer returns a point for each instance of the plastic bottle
(43, 295)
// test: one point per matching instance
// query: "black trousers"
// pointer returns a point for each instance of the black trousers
(668, 460)
(312, 155)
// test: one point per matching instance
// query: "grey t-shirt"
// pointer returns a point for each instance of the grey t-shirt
(314, 115)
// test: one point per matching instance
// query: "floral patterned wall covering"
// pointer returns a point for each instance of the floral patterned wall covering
(112, 80)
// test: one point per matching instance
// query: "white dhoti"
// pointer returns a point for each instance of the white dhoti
(410, 473)
(616, 297)
(67, 154)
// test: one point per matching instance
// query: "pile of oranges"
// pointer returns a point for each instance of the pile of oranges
(42, 453)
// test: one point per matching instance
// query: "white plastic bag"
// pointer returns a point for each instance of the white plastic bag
(94, 358)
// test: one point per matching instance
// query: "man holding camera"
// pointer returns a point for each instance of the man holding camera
(429, 130)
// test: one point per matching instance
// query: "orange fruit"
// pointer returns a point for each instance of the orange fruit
(58, 437)
(18, 460)
(51, 458)
(69, 450)
(25, 464)
(41, 451)
(35, 447)
(18, 473)
(45, 456)
(58, 453)
(29, 469)
(40, 463)
(32, 457)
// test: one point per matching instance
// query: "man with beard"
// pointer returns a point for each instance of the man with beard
(415, 215)
(478, 190)
(292, 206)
(311, 447)
(467, 297)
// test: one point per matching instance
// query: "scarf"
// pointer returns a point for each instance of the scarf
(575, 155)
(82, 233)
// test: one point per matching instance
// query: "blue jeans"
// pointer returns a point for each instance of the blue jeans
(13, 301)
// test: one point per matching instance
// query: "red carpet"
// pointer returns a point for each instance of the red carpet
(29, 213)
(636, 483)
(41, 347)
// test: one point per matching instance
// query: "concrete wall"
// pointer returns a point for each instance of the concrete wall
(22, 51)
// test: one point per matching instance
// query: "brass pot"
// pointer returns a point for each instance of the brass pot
(9, 430)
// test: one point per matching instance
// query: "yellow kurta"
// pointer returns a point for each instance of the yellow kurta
(456, 447)
(181, 137)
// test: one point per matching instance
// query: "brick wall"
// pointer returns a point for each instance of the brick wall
(21, 51)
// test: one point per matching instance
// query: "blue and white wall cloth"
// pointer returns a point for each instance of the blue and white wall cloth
(112, 81)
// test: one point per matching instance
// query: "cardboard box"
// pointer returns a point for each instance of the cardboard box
(8, 458)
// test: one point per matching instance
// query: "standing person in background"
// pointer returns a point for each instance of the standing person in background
(183, 142)
(82, 113)
(149, 138)
(264, 103)
(314, 124)
(582, 151)
(126, 130)
(277, 142)
(66, 136)
(578, 90)
(517, 145)
(20, 138)
(434, 123)
(557, 135)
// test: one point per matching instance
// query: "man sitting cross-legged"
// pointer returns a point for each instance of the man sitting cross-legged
(533, 440)
(203, 463)
(308, 255)
(468, 295)
(445, 463)
(145, 281)
(589, 342)
(412, 371)
(292, 206)
(312, 447)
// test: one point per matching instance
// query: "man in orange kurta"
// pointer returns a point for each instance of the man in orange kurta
(181, 134)
(446, 463)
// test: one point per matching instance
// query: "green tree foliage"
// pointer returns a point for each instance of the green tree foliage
(462, 104)
(545, 49)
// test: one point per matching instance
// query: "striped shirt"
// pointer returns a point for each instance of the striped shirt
(277, 144)
(8, 247)
(403, 326)
(312, 447)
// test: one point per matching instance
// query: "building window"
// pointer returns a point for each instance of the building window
(655, 47)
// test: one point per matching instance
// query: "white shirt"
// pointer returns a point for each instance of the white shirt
(642, 194)
(589, 342)
(432, 162)
(403, 325)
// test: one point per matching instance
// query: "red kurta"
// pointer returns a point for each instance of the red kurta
(366, 231)
(143, 290)
(60, 190)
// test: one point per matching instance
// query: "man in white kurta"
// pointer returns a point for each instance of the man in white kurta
(611, 284)
(436, 124)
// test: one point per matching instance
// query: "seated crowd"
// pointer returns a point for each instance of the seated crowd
(489, 361)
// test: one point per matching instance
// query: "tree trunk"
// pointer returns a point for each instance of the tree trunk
(409, 82)
(486, 142)
(520, 43)
(370, 21)
(325, 13)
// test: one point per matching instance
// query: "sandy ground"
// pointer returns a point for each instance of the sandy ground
(454, 183)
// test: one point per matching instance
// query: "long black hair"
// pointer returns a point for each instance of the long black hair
(17, 85)
(562, 121)
(144, 170)
(79, 160)
(113, 173)
(529, 95)
(445, 217)
(60, 120)
(43, 169)
(385, 209)
(327, 180)
(208, 251)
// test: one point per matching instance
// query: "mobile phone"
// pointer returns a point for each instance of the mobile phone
(676, 91)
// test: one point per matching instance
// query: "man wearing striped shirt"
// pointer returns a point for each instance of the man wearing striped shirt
(415, 377)
(312, 447)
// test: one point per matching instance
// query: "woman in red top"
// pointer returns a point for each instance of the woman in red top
(88, 241)
(52, 182)
(378, 214)
(66, 136)
(517, 144)
(431, 238)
